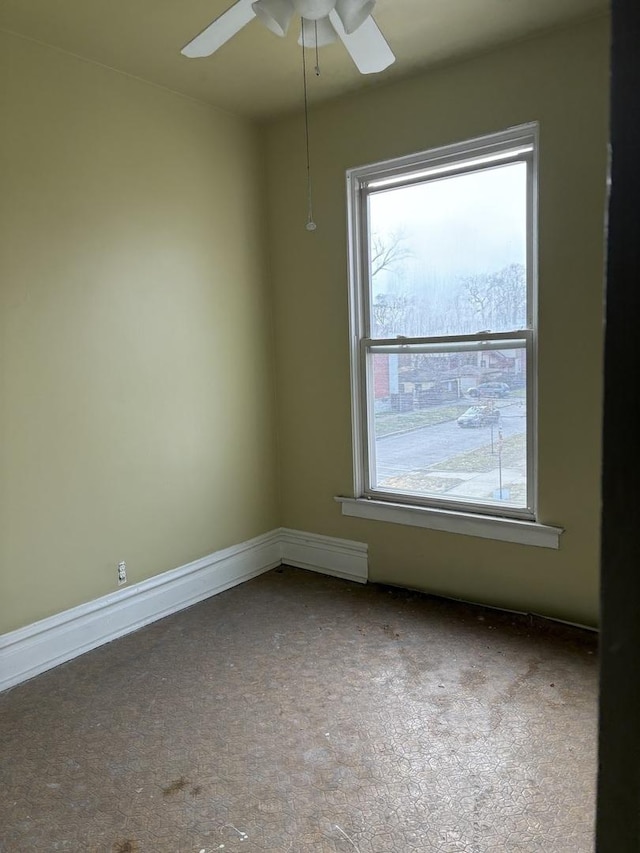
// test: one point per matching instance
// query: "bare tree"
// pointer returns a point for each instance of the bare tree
(391, 311)
(390, 314)
(498, 299)
(387, 251)
(510, 296)
(478, 291)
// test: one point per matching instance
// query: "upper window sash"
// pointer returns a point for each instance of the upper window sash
(446, 162)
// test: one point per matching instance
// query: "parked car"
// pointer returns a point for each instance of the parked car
(479, 416)
(489, 389)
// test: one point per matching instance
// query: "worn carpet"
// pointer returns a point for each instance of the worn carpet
(303, 713)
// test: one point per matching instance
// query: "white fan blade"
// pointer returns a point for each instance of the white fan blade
(366, 46)
(221, 30)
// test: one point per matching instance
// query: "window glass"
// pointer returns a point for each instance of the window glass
(447, 256)
(451, 425)
(443, 310)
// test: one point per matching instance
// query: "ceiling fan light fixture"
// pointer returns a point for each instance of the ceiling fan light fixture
(353, 13)
(274, 14)
(313, 10)
(323, 29)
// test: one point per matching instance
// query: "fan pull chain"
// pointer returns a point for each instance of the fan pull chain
(311, 225)
(317, 68)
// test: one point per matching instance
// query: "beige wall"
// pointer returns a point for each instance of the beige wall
(136, 389)
(136, 395)
(561, 80)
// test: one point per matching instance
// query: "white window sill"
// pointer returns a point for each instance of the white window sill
(467, 524)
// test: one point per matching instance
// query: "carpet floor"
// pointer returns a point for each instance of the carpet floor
(298, 713)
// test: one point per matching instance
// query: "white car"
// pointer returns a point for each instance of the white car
(479, 416)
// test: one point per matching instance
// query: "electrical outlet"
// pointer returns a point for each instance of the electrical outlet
(122, 573)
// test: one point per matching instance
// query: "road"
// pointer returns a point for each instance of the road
(419, 448)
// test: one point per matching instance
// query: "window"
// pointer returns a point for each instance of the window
(443, 321)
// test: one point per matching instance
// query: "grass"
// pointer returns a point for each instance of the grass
(514, 455)
(421, 482)
(482, 460)
(391, 422)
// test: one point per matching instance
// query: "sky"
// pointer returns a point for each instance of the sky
(458, 225)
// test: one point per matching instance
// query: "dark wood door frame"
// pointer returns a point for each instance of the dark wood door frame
(618, 810)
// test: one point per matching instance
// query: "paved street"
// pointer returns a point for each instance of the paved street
(420, 448)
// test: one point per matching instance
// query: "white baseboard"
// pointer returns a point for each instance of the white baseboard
(52, 641)
(341, 558)
(43, 645)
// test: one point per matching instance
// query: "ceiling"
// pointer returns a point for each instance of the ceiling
(258, 74)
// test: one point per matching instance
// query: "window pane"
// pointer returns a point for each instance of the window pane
(448, 256)
(451, 425)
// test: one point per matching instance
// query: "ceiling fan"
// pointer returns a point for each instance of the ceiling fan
(322, 22)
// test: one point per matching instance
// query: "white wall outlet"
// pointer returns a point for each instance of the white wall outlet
(122, 573)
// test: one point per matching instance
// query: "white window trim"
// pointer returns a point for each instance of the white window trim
(518, 527)
(465, 523)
